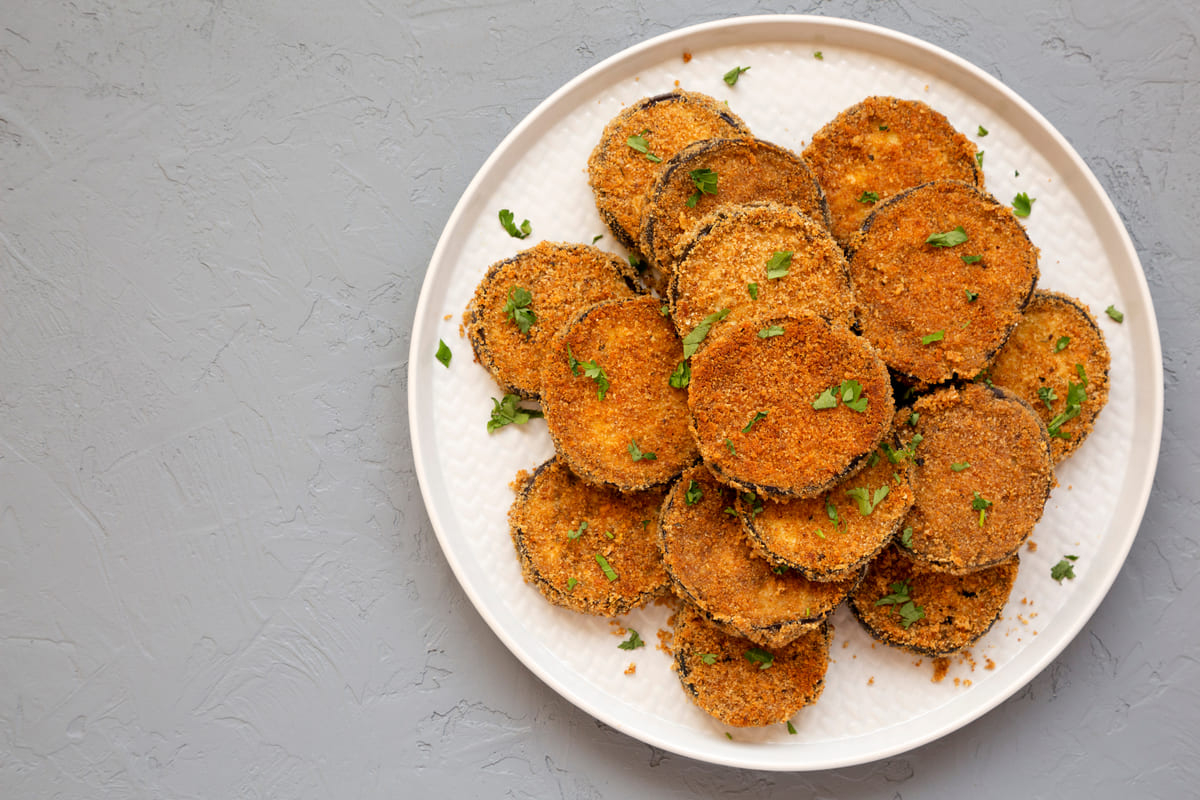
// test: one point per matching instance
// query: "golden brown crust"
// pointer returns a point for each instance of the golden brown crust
(728, 251)
(621, 176)
(713, 567)
(747, 170)
(909, 290)
(549, 509)
(828, 537)
(978, 445)
(795, 450)
(563, 279)
(885, 145)
(638, 350)
(956, 610)
(739, 691)
(1033, 365)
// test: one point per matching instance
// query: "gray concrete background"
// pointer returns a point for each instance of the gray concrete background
(214, 223)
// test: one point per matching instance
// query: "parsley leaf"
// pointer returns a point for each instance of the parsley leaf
(1115, 315)
(779, 264)
(517, 307)
(979, 158)
(906, 537)
(971, 295)
(732, 76)
(972, 259)
(752, 290)
(757, 416)
(609, 572)
(596, 372)
(1062, 343)
(637, 453)
(694, 493)
(983, 131)
(682, 375)
(947, 238)
(826, 399)
(1065, 568)
(754, 502)
(756, 655)
(1076, 395)
(978, 503)
(443, 354)
(642, 146)
(633, 642)
(507, 412)
(692, 341)
(575, 533)
(597, 237)
(506, 221)
(910, 612)
(1046, 394)
(868, 197)
(852, 396)
(729, 446)
(705, 181)
(866, 501)
(959, 466)
(770, 330)
(572, 583)
(791, 728)
(818, 55)
(708, 658)
(1022, 204)
(930, 338)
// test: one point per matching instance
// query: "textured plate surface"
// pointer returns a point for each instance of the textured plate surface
(877, 701)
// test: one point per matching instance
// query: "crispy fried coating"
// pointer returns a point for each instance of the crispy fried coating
(947, 612)
(724, 264)
(885, 145)
(747, 169)
(752, 395)
(741, 684)
(941, 312)
(562, 279)
(1057, 345)
(621, 176)
(566, 531)
(982, 476)
(636, 435)
(713, 567)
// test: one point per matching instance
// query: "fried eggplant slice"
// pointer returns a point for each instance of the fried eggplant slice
(787, 407)
(510, 332)
(904, 603)
(982, 476)
(1057, 361)
(587, 548)
(742, 684)
(941, 274)
(713, 567)
(636, 145)
(880, 147)
(610, 407)
(716, 172)
(835, 534)
(762, 260)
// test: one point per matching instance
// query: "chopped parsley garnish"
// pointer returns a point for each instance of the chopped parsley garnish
(640, 144)
(506, 221)
(826, 399)
(849, 392)
(664, 309)
(756, 655)
(705, 181)
(633, 642)
(517, 307)
(609, 572)
(959, 466)
(947, 238)
(972, 259)
(978, 503)
(754, 502)
(832, 512)
(577, 532)
(692, 341)
(732, 76)
(866, 501)
(884, 127)
(868, 197)
(930, 338)
(682, 375)
(609, 535)
(757, 416)
(979, 158)
(1116, 316)
(594, 371)
(770, 330)
(597, 237)
(1076, 395)
(443, 353)
(819, 56)
(983, 131)
(913, 417)
(729, 446)
(779, 264)
(752, 290)
(1046, 395)
(1065, 568)
(791, 728)
(636, 262)
(708, 658)
(506, 412)
(1022, 204)
(637, 453)
(572, 583)
(906, 537)
(694, 493)
(1062, 343)
(910, 612)
(971, 295)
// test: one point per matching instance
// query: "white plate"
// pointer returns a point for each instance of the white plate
(877, 701)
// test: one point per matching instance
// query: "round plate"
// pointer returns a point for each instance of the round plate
(877, 701)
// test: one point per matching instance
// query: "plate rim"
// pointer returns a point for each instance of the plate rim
(1025, 666)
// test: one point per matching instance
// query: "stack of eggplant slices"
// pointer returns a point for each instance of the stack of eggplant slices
(822, 378)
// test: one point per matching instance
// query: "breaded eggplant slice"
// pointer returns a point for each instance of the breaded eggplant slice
(1057, 361)
(562, 279)
(880, 147)
(740, 683)
(713, 567)
(835, 534)
(982, 475)
(610, 408)
(746, 169)
(787, 407)
(587, 548)
(761, 260)
(904, 603)
(637, 143)
(936, 305)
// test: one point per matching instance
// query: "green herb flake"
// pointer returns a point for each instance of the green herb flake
(906, 537)
(729, 736)
(756, 655)
(597, 237)
(1062, 343)
(971, 296)
(708, 658)
(868, 197)
(852, 396)
(1022, 204)
(983, 131)
(506, 222)
(517, 308)
(729, 446)
(642, 146)
(636, 262)
(692, 341)
(770, 330)
(577, 532)
(443, 354)
(754, 502)
(1047, 395)
(979, 158)
(633, 642)
(1116, 316)
(1076, 395)
(910, 612)
(596, 372)
(682, 376)
(637, 454)
(609, 572)
(959, 466)
(948, 238)
(758, 415)
(664, 310)
(978, 503)
(913, 418)
(694, 493)
(884, 128)
(930, 338)
(752, 290)
(826, 399)
(572, 583)
(791, 728)
(972, 259)
(732, 76)
(506, 412)
(705, 181)
(819, 56)
(867, 501)
(779, 264)
(1065, 568)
